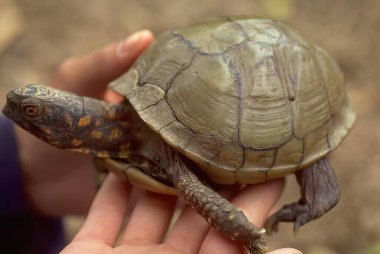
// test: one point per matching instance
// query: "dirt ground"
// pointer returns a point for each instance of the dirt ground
(37, 35)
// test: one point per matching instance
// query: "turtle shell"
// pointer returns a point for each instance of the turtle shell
(247, 99)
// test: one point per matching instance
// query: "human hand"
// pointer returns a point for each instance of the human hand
(60, 182)
(147, 229)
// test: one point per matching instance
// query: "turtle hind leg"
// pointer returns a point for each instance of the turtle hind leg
(219, 212)
(320, 193)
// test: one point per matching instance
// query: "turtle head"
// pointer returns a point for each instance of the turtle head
(68, 121)
(47, 113)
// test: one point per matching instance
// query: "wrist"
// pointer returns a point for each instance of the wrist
(12, 198)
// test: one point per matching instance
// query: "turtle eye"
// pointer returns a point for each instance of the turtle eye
(31, 109)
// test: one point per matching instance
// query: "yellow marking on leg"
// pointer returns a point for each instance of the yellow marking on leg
(96, 134)
(124, 150)
(76, 142)
(124, 147)
(84, 121)
(115, 134)
(124, 155)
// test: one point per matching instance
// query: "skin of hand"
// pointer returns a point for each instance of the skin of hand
(150, 215)
(61, 182)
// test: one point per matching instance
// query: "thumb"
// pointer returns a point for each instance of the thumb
(89, 75)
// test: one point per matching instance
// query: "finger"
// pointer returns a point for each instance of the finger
(107, 212)
(149, 220)
(89, 75)
(189, 219)
(188, 232)
(285, 251)
(256, 202)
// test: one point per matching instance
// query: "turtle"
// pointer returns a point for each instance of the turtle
(229, 101)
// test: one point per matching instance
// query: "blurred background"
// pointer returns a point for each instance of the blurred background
(36, 36)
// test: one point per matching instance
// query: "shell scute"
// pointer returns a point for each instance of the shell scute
(231, 155)
(247, 99)
(208, 146)
(212, 37)
(178, 134)
(210, 84)
(265, 109)
(146, 96)
(158, 115)
(290, 154)
(159, 67)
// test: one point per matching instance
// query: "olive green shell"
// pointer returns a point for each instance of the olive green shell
(247, 99)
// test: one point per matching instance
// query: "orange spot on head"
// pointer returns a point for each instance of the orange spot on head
(115, 134)
(84, 121)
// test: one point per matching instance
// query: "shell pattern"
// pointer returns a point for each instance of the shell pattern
(247, 99)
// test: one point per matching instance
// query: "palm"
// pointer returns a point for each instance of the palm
(147, 230)
(100, 248)
(74, 189)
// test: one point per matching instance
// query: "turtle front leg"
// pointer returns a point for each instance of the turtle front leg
(219, 212)
(320, 193)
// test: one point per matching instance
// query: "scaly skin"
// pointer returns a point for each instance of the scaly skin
(73, 122)
(84, 124)
(320, 193)
(219, 212)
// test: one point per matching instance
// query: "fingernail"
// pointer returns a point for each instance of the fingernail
(128, 44)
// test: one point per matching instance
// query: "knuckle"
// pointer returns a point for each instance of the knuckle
(99, 56)
(67, 65)
(64, 71)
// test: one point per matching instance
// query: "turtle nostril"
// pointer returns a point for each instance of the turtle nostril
(11, 96)
(6, 110)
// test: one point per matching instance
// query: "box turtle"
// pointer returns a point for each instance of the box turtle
(235, 100)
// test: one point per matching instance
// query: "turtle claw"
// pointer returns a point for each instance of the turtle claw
(272, 225)
(300, 220)
(258, 247)
(261, 231)
(295, 212)
(320, 193)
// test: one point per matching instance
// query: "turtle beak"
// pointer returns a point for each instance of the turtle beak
(6, 110)
(10, 108)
